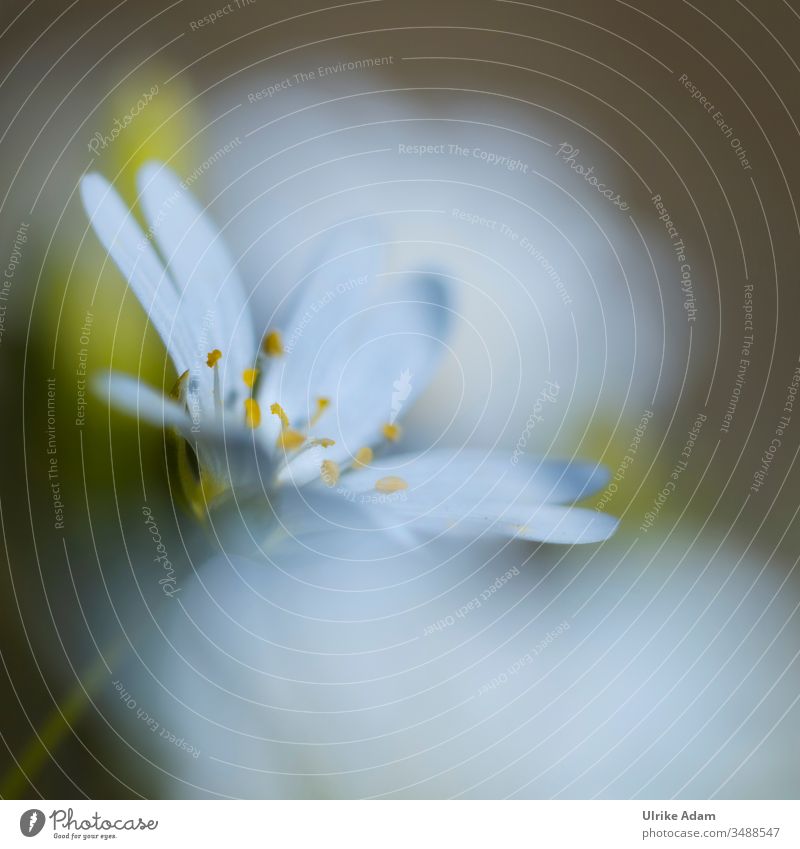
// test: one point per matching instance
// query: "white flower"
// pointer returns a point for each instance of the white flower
(301, 418)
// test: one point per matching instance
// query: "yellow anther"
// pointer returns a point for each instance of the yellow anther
(391, 432)
(273, 344)
(330, 472)
(249, 376)
(290, 439)
(323, 443)
(363, 457)
(322, 405)
(213, 357)
(277, 410)
(252, 412)
(179, 389)
(390, 484)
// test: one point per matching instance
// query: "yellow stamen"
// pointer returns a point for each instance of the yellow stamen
(391, 432)
(273, 344)
(277, 410)
(252, 412)
(363, 457)
(390, 484)
(322, 405)
(330, 472)
(290, 439)
(323, 443)
(179, 389)
(249, 376)
(213, 357)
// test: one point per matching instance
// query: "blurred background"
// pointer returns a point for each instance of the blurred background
(609, 189)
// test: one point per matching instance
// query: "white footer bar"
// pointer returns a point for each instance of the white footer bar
(403, 824)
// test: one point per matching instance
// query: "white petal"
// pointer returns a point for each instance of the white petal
(212, 296)
(129, 395)
(133, 254)
(552, 523)
(325, 309)
(351, 338)
(402, 341)
(535, 522)
(227, 449)
(473, 474)
(473, 493)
